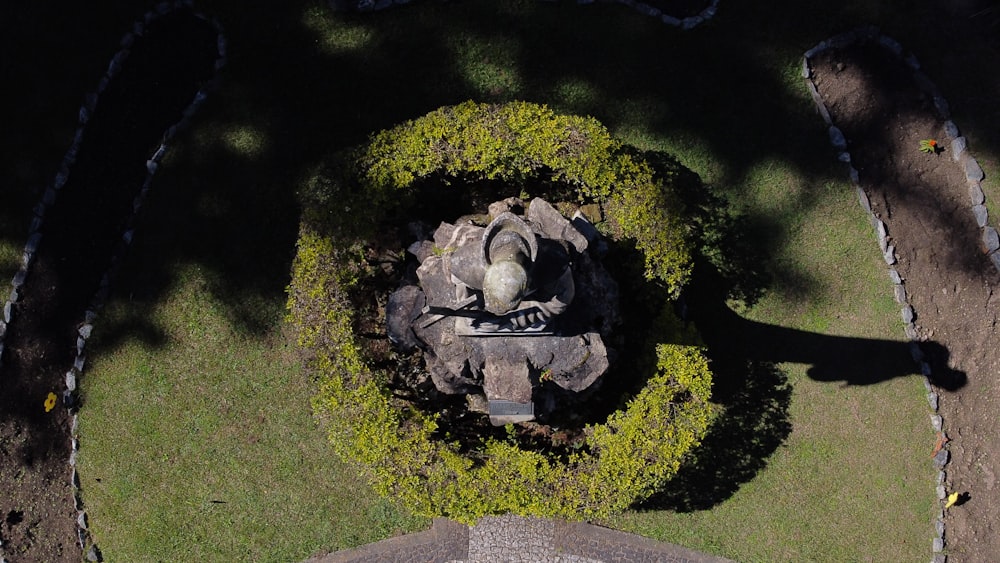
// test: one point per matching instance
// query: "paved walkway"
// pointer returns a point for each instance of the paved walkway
(516, 539)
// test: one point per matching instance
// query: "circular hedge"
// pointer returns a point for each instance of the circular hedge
(623, 460)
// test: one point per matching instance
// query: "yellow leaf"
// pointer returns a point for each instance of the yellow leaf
(952, 499)
(50, 402)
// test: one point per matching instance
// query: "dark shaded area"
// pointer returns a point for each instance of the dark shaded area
(756, 397)
(80, 233)
(855, 361)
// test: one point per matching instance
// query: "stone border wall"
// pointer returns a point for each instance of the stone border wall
(974, 176)
(48, 198)
(685, 23)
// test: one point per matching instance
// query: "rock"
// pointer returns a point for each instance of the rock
(924, 83)
(94, 554)
(806, 71)
(940, 492)
(982, 216)
(912, 62)
(863, 200)
(916, 352)
(907, 313)
(890, 255)
(932, 400)
(910, 331)
(936, 422)
(899, 292)
(890, 44)
(880, 231)
(843, 40)
(939, 527)
(6, 312)
(648, 10)
(71, 380)
(511, 204)
(691, 23)
(950, 129)
(477, 403)
(837, 137)
(995, 258)
(942, 107)
(991, 241)
(958, 147)
(551, 224)
(941, 458)
(937, 545)
(976, 193)
(506, 376)
(894, 276)
(402, 309)
(819, 48)
(844, 157)
(973, 172)
(670, 20)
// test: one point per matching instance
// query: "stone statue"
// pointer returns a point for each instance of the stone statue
(511, 264)
(510, 309)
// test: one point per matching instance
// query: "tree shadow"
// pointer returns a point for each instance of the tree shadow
(756, 397)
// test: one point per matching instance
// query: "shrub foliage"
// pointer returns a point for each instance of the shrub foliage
(623, 460)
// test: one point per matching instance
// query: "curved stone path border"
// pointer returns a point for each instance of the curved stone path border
(685, 23)
(517, 539)
(48, 199)
(973, 175)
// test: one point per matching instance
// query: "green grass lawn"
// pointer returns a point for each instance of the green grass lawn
(196, 435)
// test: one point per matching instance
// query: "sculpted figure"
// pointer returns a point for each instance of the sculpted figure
(515, 312)
(523, 280)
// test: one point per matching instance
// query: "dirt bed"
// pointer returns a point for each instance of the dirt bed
(924, 200)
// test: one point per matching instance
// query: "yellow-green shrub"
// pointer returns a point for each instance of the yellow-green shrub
(624, 460)
(512, 142)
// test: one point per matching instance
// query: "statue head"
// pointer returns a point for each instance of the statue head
(509, 249)
(504, 285)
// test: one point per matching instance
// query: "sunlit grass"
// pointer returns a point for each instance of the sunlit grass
(334, 36)
(202, 448)
(488, 65)
(246, 141)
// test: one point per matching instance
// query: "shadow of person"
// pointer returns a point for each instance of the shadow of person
(852, 360)
(756, 395)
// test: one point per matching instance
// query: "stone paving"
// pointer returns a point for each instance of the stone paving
(517, 539)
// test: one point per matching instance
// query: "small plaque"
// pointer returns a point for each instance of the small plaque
(510, 408)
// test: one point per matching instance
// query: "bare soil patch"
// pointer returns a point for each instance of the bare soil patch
(953, 288)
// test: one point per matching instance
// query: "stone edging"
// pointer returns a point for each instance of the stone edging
(974, 176)
(684, 23)
(69, 395)
(445, 541)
